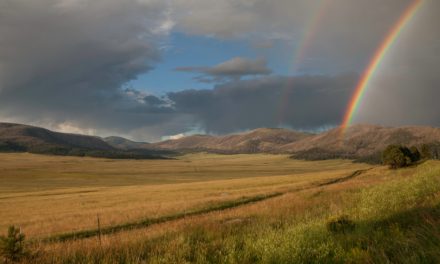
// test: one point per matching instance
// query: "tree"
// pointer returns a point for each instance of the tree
(415, 154)
(426, 152)
(396, 156)
(12, 246)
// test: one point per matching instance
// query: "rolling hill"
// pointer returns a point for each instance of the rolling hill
(359, 141)
(267, 140)
(123, 143)
(25, 138)
(32, 138)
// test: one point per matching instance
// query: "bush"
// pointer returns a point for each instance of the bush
(430, 151)
(397, 156)
(426, 151)
(322, 154)
(415, 154)
(374, 158)
(342, 224)
(12, 246)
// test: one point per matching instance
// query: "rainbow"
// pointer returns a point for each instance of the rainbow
(375, 62)
(312, 27)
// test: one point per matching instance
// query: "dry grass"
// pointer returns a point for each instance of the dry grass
(252, 222)
(396, 212)
(47, 194)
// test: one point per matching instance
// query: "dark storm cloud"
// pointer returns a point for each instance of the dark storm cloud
(342, 35)
(333, 35)
(306, 102)
(234, 68)
(64, 62)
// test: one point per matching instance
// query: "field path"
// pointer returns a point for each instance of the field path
(219, 207)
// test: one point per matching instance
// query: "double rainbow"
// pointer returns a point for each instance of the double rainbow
(375, 62)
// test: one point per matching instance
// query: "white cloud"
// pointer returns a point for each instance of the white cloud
(173, 137)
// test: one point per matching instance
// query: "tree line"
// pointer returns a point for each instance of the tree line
(399, 156)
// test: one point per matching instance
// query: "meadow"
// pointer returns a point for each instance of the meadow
(206, 208)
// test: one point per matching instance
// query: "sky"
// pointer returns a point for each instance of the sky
(155, 69)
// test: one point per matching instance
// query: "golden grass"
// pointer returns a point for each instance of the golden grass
(290, 209)
(48, 194)
(285, 229)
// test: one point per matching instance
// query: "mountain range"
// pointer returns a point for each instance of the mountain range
(358, 141)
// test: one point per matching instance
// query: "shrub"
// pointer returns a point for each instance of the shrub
(415, 154)
(342, 224)
(12, 245)
(426, 151)
(322, 154)
(396, 156)
(430, 151)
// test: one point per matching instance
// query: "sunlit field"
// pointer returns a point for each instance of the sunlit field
(47, 194)
(207, 208)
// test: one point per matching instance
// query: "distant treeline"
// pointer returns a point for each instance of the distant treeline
(323, 154)
(7, 146)
(430, 151)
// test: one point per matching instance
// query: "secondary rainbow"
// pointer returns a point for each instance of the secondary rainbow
(390, 38)
(311, 29)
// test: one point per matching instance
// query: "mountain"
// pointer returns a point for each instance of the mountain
(268, 140)
(362, 141)
(123, 143)
(365, 142)
(359, 141)
(24, 138)
(34, 138)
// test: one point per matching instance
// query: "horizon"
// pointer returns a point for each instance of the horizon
(150, 70)
(342, 129)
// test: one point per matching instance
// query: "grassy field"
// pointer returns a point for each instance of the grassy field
(208, 208)
(49, 194)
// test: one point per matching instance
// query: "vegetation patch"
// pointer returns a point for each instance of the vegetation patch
(340, 225)
(12, 247)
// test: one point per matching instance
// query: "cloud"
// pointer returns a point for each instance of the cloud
(332, 35)
(405, 88)
(306, 102)
(65, 62)
(173, 137)
(234, 68)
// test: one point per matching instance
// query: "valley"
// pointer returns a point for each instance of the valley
(200, 206)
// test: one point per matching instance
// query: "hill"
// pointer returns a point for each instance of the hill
(359, 141)
(364, 142)
(25, 138)
(123, 143)
(35, 138)
(267, 140)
